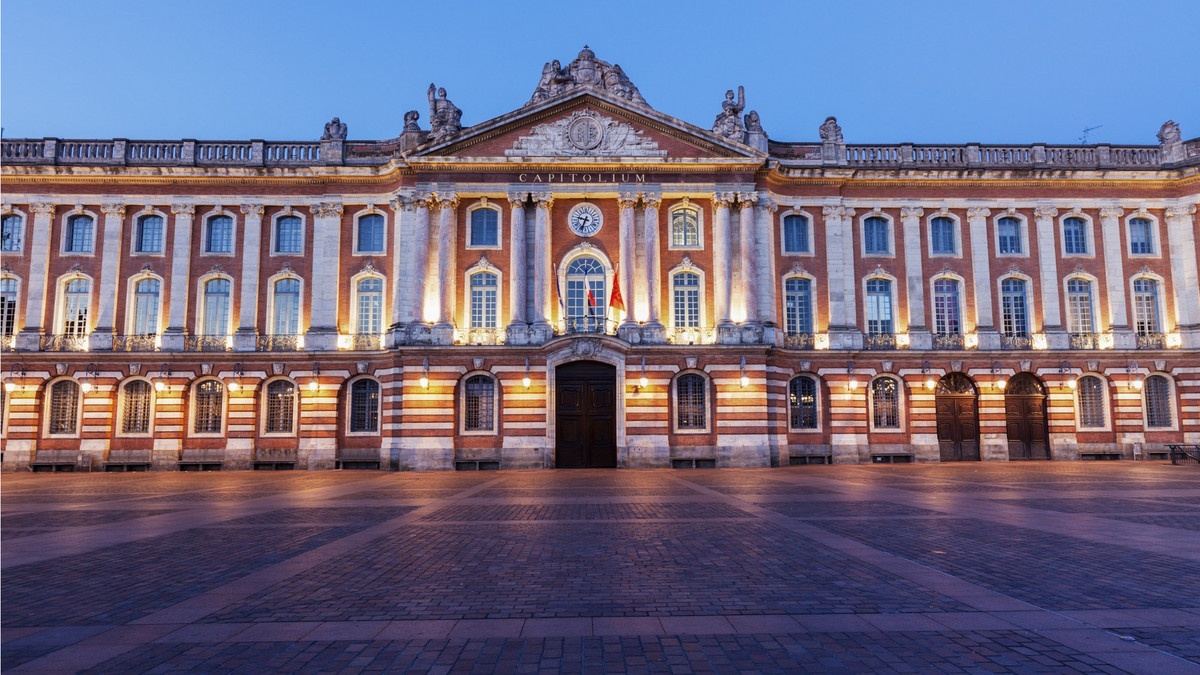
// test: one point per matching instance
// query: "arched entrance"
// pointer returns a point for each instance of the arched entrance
(1025, 418)
(585, 417)
(957, 418)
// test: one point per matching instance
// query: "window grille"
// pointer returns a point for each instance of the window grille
(1009, 235)
(1090, 390)
(11, 233)
(1145, 306)
(942, 231)
(145, 307)
(685, 228)
(289, 235)
(370, 234)
(885, 399)
(281, 407)
(209, 398)
(8, 306)
(795, 234)
(364, 406)
(216, 307)
(1079, 306)
(287, 307)
(370, 306)
(135, 417)
(1157, 393)
(480, 402)
(1075, 235)
(946, 318)
(150, 234)
(797, 306)
(879, 307)
(219, 238)
(64, 407)
(79, 234)
(802, 403)
(686, 308)
(75, 310)
(485, 227)
(875, 234)
(1012, 306)
(484, 287)
(690, 405)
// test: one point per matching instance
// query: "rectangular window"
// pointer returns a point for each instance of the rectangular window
(1075, 236)
(8, 306)
(685, 228)
(483, 300)
(1158, 402)
(79, 235)
(689, 402)
(370, 234)
(289, 235)
(216, 307)
(370, 306)
(149, 234)
(802, 403)
(885, 400)
(1079, 306)
(485, 227)
(797, 306)
(1141, 239)
(945, 307)
(145, 307)
(480, 402)
(10, 238)
(136, 416)
(1091, 402)
(75, 310)
(875, 233)
(287, 307)
(219, 238)
(942, 236)
(1012, 307)
(1145, 306)
(795, 234)
(64, 407)
(879, 307)
(364, 406)
(1009, 235)
(686, 307)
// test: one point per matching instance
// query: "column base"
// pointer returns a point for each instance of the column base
(989, 338)
(172, 340)
(843, 338)
(1189, 337)
(100, 340)
(246, 340)
(630, 332)
(540, 332)
(442, 334)
(654, 333)
(320, 340)
(1057, 338)
(919, 338)
(517, 334)
(29, 340)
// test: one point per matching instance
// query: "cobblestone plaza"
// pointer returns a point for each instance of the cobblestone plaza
(1024, 567)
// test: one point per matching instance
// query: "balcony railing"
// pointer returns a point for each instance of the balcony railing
(949, 341)
(879, 341)
(1084, 340)
(483, 336)
(692, 336)
(1152, 341)
(278, 343)
(587, 324)
(362, 341)
(64, 343)
(1016, 341)
(206, 343)
(800, 341)
(8, 342)
(135, 343)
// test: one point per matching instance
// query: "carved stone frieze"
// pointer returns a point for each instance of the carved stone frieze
(586, 71)
(1181, 211)
(187, 210)
(978, 213)
(585, 133)
(1045, 212)
(327, 210)
(1112, 212)
(911, 211)
(117, 210)
(252, 210)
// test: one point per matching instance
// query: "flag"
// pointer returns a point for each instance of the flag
(591, 298)
(616, 302)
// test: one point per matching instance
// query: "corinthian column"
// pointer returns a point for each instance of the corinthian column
(323, 329)
(39, 276)
(247, 332)
(1118, 314)
(1181, 238)
(625, 204)
(839, 256)
(653, 330)
(764, 262)
(181, 257)
(910, 220)
(540, 320)
(422, 204)
(446, 272)
(746, 248)
(110, 265)
(1048, 277)
(721, 263)
(981, 275)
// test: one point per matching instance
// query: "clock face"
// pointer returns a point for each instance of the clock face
(585, 220)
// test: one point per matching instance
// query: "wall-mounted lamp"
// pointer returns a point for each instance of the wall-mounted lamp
(644, 382)
(313, 384)
(1135, 380)
(91, 374)
(930, 383)
(526, 380)
(237, 376)
(853, 383)
(745, 378)
(998, 374)
(164, 375)
(1069, 377)
(425, 374)
(16, 373)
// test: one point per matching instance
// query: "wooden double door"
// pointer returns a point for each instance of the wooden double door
(585, 418)
(957, 418)
(1025, 418)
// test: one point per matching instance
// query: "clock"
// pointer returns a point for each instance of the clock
(585, 219)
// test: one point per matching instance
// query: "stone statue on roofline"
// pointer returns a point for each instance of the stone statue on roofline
(410, 120)
(445, 118)
(755, 136)
(729, 121)
(1169, 133)
(586, 71)
(830, 131)
(335, 130)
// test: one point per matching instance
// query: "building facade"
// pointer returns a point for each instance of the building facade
(587, 281)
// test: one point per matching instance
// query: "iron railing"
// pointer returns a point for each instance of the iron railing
(135, 343)
(800, 341)
(949, 341)
(64, 343)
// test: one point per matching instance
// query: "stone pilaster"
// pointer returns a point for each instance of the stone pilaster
(1181, 238)
(540, 328)
(39, 276)
(1047, 252)
(839, 253)
(981, 274)
(447, 210)
(1114, 273)
(653, 331)
(627, 262)
(518, 326)
(110, 269)
(722, 269)
(172, 339)
(402, 210)
(246, 337)
(764, 264)
(326, 253)
(423, 206)
(918, 330)
(746, 248)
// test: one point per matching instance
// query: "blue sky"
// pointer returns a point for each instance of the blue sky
(1019, 71)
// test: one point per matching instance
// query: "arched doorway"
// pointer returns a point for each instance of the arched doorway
(585, 417)
(957, 418)
(1025, 418)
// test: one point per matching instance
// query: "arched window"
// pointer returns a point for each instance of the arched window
(1008, 235)
(879, 307)
(280, 407)
(208, 407)
(479, 401)
(795, 234)
(1079, 306)
(685, 228)
(149, 234)
(797, 306)
(364, 406)
(875, 236)
(585, 295)
(485, 228)
(941, 236)
(802, 403)
(80, 234)
(685, 307)
(216, 307)
(369, 306)
(77, 301)
(8, 306)
(885, 403)
(12, 233)
(64, 408)
(145, 307)
(289, 234)
(370, 234)
(1074, 236)
(218, 236)
(484, 287)
(1141, 236)
(286, 320)
(1013, 309)
(1090, 390)
(136, 407)
(1145, 306)
(946, 310)
(1156, 392)
(691, 406)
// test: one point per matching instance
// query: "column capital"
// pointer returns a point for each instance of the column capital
(651, 200)
(253, 210)
(188, 210)
(42, 208)
(766, 203)
(518, 198)
(978, 212)
(724, 199)
(1172, 212)
(747, 198)
(912, 211)
(1042, 212)
(326, 210)
(445, 200)
(117, 210)
(544, 200)
(627, 200)
(401, 202)
(1112, 212)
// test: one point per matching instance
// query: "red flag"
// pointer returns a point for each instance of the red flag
(616, 301)
(591, 298)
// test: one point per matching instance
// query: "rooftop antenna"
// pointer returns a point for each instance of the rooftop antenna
(1083, 138)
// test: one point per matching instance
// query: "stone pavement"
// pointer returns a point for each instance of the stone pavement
(1020, 567)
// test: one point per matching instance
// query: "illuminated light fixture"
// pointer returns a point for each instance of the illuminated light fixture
(1174, 340)
(1038, 341)
(237, 375)
(164, 374)
(902, 340)
(745, 378)
(313, 385)
(1001, 383)
(821, 341)
(853, 383)
(87, 385)
(1135, 382)
(971, 340)
(9, 385)
(644, 382)
(425, 374)
(17, 373)
(930, 383)
(1069, 378)
(526, 380)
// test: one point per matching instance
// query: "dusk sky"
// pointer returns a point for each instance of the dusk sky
(928, 72)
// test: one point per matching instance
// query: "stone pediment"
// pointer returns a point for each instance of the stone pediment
(585, 133)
